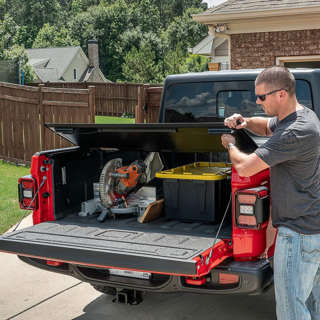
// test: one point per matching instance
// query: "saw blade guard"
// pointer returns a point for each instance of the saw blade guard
(107, 183)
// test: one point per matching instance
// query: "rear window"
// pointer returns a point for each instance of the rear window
(214, 101)
(303, 93)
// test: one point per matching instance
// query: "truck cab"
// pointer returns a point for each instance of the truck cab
(205, 230)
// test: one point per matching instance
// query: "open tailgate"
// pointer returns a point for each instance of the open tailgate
(120, 245)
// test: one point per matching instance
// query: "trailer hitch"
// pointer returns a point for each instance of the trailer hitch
(128, 296)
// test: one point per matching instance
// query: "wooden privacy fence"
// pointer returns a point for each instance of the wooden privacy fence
(111, 99)
(24, 110)
(148, 106)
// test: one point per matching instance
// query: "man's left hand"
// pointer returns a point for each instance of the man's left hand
(227, 138)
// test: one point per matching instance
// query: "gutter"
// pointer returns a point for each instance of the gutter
(212, 17)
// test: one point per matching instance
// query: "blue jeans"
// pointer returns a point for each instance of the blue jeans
(297, 275)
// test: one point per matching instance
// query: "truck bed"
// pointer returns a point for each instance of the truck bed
(160, 246)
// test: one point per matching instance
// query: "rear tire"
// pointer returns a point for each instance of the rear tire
(105, 289)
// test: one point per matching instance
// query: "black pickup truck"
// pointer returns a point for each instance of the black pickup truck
(199, 227)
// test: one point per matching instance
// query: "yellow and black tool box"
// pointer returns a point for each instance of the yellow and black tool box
(196, 192)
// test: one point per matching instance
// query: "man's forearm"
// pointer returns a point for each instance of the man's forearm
(258, 125)
(237, 157)
(246, 164)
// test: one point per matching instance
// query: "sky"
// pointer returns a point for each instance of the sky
(213, 2)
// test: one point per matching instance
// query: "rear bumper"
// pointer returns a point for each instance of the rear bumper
(254, 278)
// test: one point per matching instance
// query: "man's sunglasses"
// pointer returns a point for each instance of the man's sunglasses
(262, 97)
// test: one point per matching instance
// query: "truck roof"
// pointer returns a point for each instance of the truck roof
(230, 75)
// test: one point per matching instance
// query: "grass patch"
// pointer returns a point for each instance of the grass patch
(10, 213)
(110, 120)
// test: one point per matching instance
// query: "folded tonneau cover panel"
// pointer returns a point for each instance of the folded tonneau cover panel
(169, 249)
(173, 137)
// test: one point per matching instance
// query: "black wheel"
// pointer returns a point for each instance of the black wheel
(105, 289)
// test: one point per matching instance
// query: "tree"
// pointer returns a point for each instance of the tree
(146, 16)
(18, 55)
(174, 61)
(185, 31)
(33, 14)
(195, 63)
(179, 7)
(2, 9)
(170, 9)
(136, 38)
(139, 66)
(10, 33)
(78, 6)
(50, 36)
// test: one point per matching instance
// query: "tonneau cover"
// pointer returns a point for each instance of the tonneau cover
(174, 137)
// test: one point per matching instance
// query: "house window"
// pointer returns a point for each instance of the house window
(75, 74)
(299, 62)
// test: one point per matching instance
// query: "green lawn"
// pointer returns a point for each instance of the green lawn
(10, 213)
(102, 119)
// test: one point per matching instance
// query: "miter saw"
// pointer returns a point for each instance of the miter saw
(117, 184)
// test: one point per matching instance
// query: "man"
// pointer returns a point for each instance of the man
(293, 154)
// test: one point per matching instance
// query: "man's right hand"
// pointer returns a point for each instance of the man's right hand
(236, 121)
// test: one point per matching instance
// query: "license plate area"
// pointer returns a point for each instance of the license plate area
(130, 274)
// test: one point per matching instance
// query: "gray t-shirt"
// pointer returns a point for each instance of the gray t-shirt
(293, 153)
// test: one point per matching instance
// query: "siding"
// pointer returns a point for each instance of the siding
(260, 50)
(80, 63)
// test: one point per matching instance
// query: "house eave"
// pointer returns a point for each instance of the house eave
(209, 18)
(265, 23)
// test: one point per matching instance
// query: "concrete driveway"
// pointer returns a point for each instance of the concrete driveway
(30, 293)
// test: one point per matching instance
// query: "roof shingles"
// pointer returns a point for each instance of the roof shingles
(58, 60)
(238, 6)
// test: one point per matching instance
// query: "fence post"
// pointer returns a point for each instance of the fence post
(139, 114)
(41, 120)
(146, 107)
(126, 100)
(92, 103)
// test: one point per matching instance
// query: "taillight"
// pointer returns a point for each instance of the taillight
(247, 198)
(252, 207)
(27, 193)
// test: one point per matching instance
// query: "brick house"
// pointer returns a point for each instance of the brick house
(263, 33)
